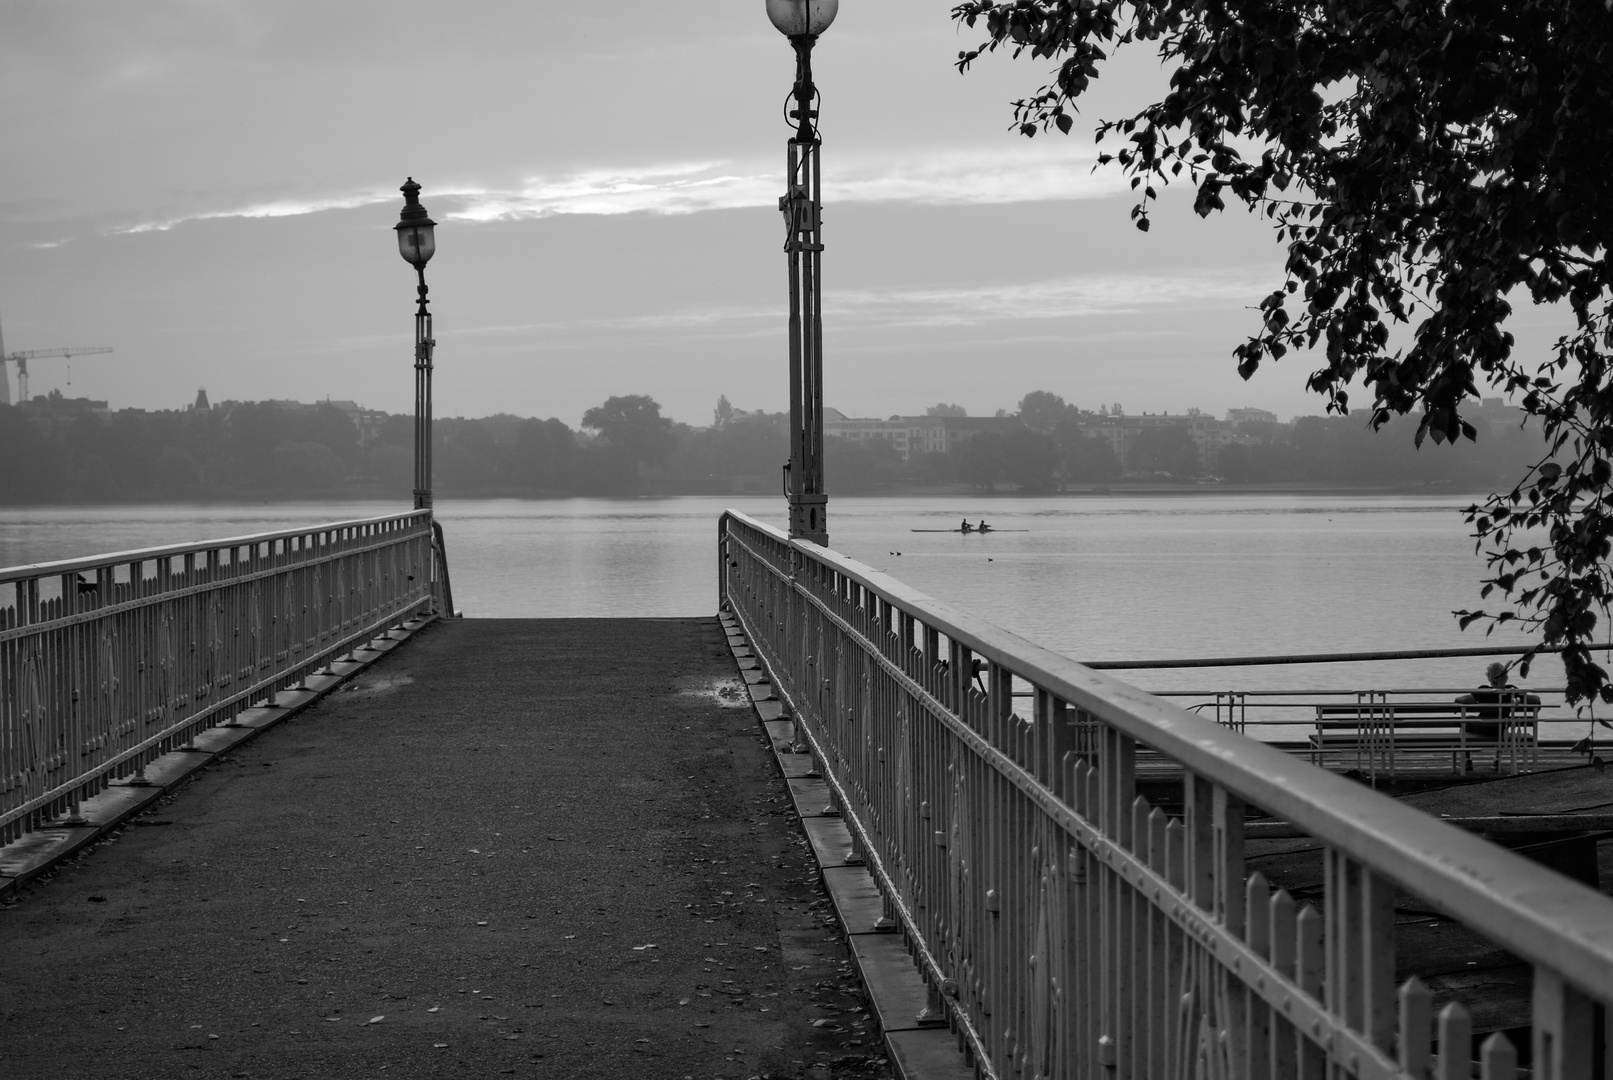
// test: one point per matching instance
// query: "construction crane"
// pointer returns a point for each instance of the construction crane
(21, 360)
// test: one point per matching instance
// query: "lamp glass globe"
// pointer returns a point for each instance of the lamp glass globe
(417, 242)
(796, 17)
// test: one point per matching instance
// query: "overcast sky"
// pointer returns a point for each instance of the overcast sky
(208, 187)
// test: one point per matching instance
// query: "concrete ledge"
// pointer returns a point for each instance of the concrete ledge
(857, 900)
(898, 994)
(41, 849)
(896, 991)
(797, 766)
(927, 1054)
(830, 840)
(811, 796)
(782, 733)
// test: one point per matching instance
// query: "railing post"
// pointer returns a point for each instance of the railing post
(70, 641)
(1564, 1030)
(723, 603)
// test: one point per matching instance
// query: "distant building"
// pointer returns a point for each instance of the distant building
(1496, 414)
(201, 401)
(940, 434)
(1121, 432)
(893, 431)
(911, 435)
(368, 422)
(1251, 416)
(54, 404)
(914, 435)
(284, 405)
(53, 412)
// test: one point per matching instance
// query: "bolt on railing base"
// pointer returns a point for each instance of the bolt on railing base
(136, 779)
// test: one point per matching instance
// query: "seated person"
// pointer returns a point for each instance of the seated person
(1493, 702)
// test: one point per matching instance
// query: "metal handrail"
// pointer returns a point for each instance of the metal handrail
(92, 562)
(1068, 926)
(1436, 692)
(109, 661)
(1281, 659)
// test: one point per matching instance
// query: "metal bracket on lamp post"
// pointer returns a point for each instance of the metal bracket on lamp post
(802, 206)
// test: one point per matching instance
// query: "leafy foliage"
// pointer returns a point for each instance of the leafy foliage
(1042, 410)
(1425, 162)
(633, 427)
(981, 458)
(1085, 458)
(1029, 459)
(1165, 450)
(858, 466)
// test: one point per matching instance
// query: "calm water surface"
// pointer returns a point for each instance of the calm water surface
(1095, 578)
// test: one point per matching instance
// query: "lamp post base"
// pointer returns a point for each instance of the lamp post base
(809, 519)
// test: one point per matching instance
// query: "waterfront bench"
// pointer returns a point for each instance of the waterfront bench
(1374, 731)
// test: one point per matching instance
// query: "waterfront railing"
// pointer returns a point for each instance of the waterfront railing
(110, 661)
(1067, 927)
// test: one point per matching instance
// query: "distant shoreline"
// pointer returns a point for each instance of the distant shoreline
(895, 491)
(1121, 487)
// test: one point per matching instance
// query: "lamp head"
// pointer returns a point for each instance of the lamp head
(417, 241)
(795, 18)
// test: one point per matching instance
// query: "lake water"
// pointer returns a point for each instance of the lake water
(1095, 578)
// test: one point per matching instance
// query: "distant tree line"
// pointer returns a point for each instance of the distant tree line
(1055, 445)
(626, 447)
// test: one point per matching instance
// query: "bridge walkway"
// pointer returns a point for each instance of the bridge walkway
(511, 847)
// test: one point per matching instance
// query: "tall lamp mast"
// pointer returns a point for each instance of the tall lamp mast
(417, 242)
(802, 21)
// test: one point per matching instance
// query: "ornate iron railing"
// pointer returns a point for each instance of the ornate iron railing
(1068, 928)
(108, 662)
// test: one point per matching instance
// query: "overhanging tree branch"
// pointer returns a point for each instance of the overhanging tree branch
(1445, 157)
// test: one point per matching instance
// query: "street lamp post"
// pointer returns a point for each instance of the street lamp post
(417, 242)
(802, 21)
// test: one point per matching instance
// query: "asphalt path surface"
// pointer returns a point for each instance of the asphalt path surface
(551, 848)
